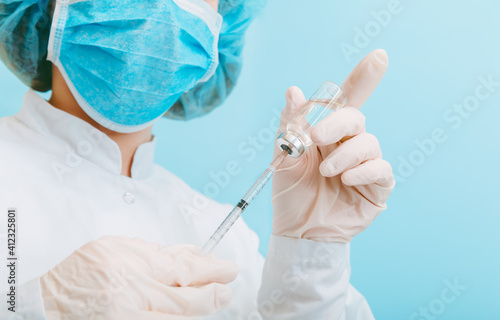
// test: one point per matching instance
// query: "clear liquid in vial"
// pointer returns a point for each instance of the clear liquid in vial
(309, 116)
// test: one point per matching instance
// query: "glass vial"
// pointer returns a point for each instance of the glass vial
(328, 98)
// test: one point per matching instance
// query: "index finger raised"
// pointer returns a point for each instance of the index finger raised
(365, 77)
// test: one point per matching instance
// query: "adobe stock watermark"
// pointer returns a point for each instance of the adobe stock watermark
(74, 157)
(437, 306)
(221, 179)
(381, 19)
(454, 117)
(118, 282)
(323, 256)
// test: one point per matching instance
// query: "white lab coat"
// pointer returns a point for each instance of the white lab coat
(63, 177)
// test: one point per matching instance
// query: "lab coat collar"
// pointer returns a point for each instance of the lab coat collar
(81, 139)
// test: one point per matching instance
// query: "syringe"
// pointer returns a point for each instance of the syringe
(293, 141)
(243, 204)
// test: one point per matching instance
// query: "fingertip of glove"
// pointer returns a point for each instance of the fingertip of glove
(349, 179)
(294, 96)
(327, 169)
(224, 270)
(381, 56)
(291, 91)
(317, 134)
(223, 296)
(231, 269)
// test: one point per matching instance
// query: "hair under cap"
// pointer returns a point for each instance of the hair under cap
(24, 36)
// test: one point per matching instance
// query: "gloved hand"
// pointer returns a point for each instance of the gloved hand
(124, 278)
(340, 184)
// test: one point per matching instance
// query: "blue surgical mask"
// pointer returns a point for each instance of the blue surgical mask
(126, 62)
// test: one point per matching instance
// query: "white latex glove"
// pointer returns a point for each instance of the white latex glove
(340, 184)
(124, 278)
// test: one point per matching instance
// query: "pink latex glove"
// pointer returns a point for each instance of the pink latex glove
(124, 278)
(340, 184)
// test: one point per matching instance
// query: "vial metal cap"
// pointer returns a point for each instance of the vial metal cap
(291, 143)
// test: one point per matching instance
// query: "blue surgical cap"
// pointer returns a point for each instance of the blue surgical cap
(24, 36)
(25, 30)
(204, 97)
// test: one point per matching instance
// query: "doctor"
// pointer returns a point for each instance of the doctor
(104, 233)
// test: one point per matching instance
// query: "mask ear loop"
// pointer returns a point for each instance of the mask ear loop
(204, 11)
(214, 63)
(57, 30)
(213, 20)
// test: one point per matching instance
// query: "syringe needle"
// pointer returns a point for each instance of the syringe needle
(278, 160)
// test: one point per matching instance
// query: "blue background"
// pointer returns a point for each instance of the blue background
(443, 218)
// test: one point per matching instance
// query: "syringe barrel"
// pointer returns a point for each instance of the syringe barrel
(237, 210)
(258, 185)
(222, 230)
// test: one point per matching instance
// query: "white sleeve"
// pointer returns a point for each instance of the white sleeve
(305, 279)
(29, 303)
